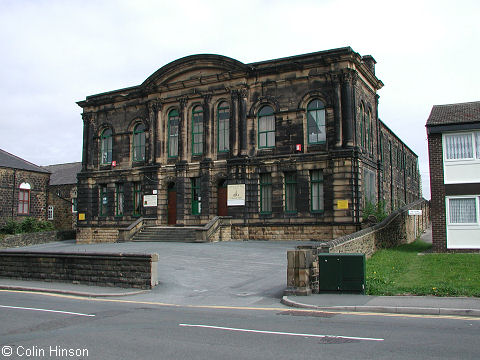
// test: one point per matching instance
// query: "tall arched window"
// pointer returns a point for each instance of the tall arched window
(316, 122)
(173, 119)
(139, 143)
(223, 115)
(106, 140)
(266, 127)
(362, 125)
(24, 199)
(367, 130)
(370, 128)
(197, 130)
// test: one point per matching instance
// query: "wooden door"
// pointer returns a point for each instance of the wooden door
(172, 206)
(222, 209)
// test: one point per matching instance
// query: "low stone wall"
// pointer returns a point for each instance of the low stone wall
(97, 235)
(119, 270)
(398, 228)
(289, 232)
(36, 238)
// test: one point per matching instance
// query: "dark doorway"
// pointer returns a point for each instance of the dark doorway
(222, 209)
(172, 204)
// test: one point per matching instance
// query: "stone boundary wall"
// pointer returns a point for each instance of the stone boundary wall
(97, 235)
(398, 228)
(36, 238)
(304, 232)
(119, 270)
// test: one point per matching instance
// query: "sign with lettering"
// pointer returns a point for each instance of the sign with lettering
(236, 195)
(149, 200)
(414, 212)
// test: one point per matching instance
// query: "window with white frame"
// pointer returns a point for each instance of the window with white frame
(462, 210)
(462, 146)
(50, 212)
(24, 199)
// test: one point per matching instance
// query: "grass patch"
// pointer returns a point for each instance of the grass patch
(401, 271)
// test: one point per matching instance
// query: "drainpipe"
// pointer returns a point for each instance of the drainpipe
(356, 199)
(13, 192)
(404, 161)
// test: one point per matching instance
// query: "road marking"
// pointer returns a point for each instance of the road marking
(281, 333)
(45, 310)
(220, 307)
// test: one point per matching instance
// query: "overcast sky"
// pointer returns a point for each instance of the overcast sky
(54, 53)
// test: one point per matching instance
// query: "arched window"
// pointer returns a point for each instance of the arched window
(370, 131)
(173, 119)
(50, 212)
(316, 122)
(24, 199)
(362, 125)
(139, 143)
(106, 140)
(223, 115)
(266, 127)
(197, 130)
(367, 130)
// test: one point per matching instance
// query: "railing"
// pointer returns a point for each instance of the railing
(210, 231)
(126, 234)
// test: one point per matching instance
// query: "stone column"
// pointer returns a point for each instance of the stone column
(242, 121)
(153, 108)
(348, 107)
(208, 132)
(86, 127)
(338, 112)
(234, 126)
(182, 130)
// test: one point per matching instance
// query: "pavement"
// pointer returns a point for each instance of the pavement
(252, 273)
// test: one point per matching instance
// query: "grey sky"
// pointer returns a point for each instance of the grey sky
(55, 53)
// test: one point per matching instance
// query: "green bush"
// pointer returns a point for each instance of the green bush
(28, 225)
(11, 227)
(378, 210)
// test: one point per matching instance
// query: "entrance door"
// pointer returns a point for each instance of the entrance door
(172, 205)
(222, 200)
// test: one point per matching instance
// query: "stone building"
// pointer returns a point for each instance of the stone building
(23, 189)
(290, 148)
(62, 195)
(454, 154)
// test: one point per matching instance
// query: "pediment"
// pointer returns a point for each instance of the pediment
(194, 68)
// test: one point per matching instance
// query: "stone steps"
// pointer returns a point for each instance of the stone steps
(167, 234)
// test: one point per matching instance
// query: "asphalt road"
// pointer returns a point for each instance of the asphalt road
(126, 329)
(222, 273)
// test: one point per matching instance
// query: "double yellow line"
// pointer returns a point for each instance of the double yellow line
(223, 307)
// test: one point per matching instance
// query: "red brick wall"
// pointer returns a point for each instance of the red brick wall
(437, 188)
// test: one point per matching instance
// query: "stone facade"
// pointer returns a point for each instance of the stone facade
(301, 133)
(62, 195)
(10, 181)
(45, 193)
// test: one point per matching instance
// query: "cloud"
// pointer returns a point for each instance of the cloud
(55, 53)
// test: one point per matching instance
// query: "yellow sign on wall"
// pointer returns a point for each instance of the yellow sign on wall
(81, 216)
(342, 204)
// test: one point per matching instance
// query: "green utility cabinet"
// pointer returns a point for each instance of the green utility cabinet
(341, 272)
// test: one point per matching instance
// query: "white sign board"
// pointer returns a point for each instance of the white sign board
(149, 200)
(414, 212)
(236, 195)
